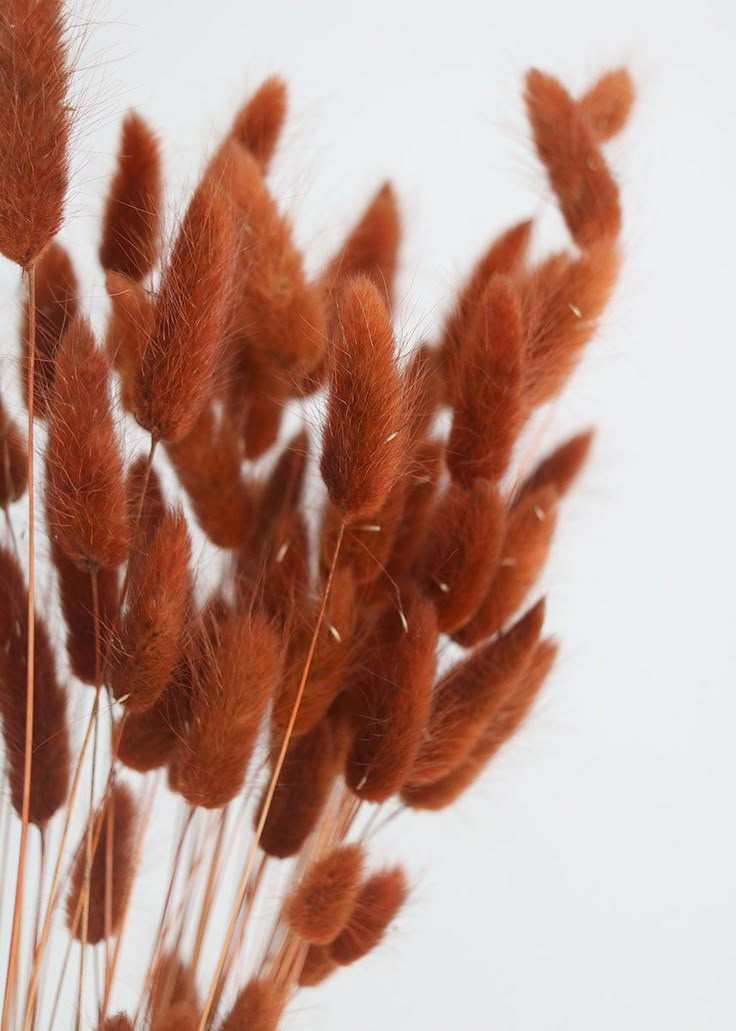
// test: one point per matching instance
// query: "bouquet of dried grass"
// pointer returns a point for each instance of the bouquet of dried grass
(300, 689)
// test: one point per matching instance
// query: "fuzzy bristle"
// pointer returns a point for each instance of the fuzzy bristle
(317, 967)
(13, 460)
(378, 903)
(559, 469)
(322, 902)
(118, 1022)
(129, 328)
(607, 104)
(257, 1008)
(258, 124)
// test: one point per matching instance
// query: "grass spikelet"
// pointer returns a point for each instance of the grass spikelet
(120, 807)
(380, 899)
(13, 460)
(367, 542)
(363, 445)
(173, 984)
(35, 123)
(317, 967)
(145, 501)
(50, 761)
(471, 693)
(147, 641)
(504, 257)
(443, 792)
(321, 904)
(257, 1008)
(489, 406)
(85, 488)
(181, 1016)
(567, 147)
(118, 1022)
(128, 330)
(423, 476)
(607, 104)
(559, 469)
(131, 226)
(392, 707)
(173, 378)
(462, 546)
(371, 248)
(529, 530)
(150, 739)
(231, 696)
(258, 124)
(57, 304)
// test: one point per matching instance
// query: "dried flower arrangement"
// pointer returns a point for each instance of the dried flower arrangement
(301, 691)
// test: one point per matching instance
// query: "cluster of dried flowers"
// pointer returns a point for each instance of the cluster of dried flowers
(306, 679)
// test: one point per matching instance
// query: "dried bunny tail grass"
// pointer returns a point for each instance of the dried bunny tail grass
(283, 491)
(563, 300)
(57, 304)
(50, 759)
(85, 487)
(321, 904)
(391, 708)
(443, 792)
(505, 257)
(145, 502)
(13, 460)
(181, 1016)
(607, 104)
(310, 767)
(530, 527)
(173, 378)
(76, 593)
(567, 147)
(422, 476)
(368, 541)
(208, 463)
(146, 644)
(559, 469)
(371, 248)
(131, 226)
(35, 124)
(173, 983)
(317, 967)
(426, 389)
(363, 446)
(129, 328)
(257, 125)
(380, 899)
(120, 808)
(471, 694)
(149, 740)
(117, 1022)
(257, 1008)
(489, 408)
(460, 552)
(230, 700)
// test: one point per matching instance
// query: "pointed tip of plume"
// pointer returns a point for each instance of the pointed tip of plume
(131, 226)
(173, 378)
(320, 906)
(119, 811)
(57, 304)
(257, 1008)
(13, 460)
(85, 487)
(118, 1022)
(567, 147)
(35, 125)
(379, 901)
(608, 103)
(258, 124)
(363, 442)
(560, 468)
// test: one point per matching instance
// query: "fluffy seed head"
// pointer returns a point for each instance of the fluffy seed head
(181, 1016)
(257, 1008)
(118, 1022)
(559, 469)
(258, 124)
(129, 328)
(317, 967)
(608, 103)
(321, 904)
(13, 460)
(377, 905)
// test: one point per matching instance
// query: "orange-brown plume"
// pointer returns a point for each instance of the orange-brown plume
(120, 808)
(567, 147)
(147, 641)
(529, 530)
(50, 759)
(131, 227)
(146, 505)
(471, 693)
(85, 487)
(13, 460)
(489, 405)
(322, 902)
(459, 556)
(371, 249)
(505, 257)
(368, 541)
(503, 725)
(129, 328)
(258, 124)
(150, 739)
(559, 469)
(173, 378)
(392, 701)
(378, 903)
(363, 443)
(231, 696)
(57, 303)
(173, 984)
(422, 476)
(608, 103)
(181, 1016)
(118, 1022)
(317, 967)
(35, 122)
(257, 1008)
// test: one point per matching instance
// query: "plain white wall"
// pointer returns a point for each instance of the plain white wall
(588, 882)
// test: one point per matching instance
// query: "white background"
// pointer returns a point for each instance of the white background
(589, 881)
